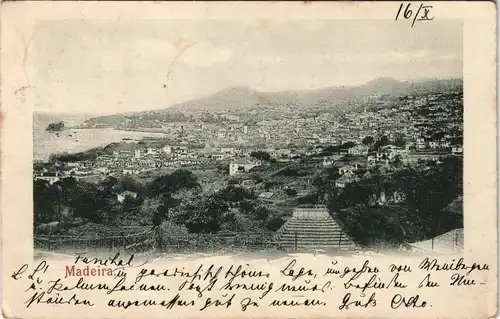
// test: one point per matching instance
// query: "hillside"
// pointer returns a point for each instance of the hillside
(238, 98)
(244, 99)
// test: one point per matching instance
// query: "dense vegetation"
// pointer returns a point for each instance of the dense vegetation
(176, 197)
(421, 213)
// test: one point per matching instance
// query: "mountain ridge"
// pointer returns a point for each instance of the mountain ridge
(241, 98)
(247, 97)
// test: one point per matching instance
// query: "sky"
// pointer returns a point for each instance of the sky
(121, 66)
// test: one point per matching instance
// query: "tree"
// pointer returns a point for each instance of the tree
(261, 213)
(233, 194)
(165, 187)
(110, 183)
(438, 135)
(397, 160)
(456, 141)
(347, 145)
(247, 207)
(88, 203)
(368, 140)
(274, 223)
(148, 210)
(308, 199)
(399, 141)
(290, 172)
(68, 188)
(130, 205)
(332, 148)
(43, 209)
(261, 155)
(203, 215)
(126, 183)
(383, 141)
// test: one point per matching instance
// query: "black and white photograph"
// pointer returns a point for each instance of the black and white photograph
(247, 137)
(249, 159)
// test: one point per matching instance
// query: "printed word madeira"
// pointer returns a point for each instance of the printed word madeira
(87, 271)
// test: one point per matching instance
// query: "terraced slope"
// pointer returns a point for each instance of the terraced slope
(309, 233)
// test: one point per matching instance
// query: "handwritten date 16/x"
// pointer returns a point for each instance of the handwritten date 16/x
(422, 13)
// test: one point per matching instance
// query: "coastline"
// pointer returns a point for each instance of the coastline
(73, 140)
(139, 130)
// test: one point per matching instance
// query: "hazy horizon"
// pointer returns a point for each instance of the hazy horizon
(109, 67)
(419, 80)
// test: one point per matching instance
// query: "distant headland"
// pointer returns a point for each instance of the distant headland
(55, 127)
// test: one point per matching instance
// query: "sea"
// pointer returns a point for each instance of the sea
(75, 140)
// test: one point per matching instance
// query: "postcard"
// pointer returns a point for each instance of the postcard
(249, 160)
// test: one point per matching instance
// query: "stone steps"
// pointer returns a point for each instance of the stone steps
(318, 239)
(298, 224)
(291, 244)
(335, 238)
(311, 227)
(312, 233)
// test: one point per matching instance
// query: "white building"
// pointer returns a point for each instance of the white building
(152, 151)
(131, 171)
(102, 170)
(358, 150)
(420, 144)
(218, 156)
(49, 177)
(167, 149)
(347, 169)
(137, 154)
(457, 150)
(344, 180)
(241, 167)
(434, 144)
(121, 196)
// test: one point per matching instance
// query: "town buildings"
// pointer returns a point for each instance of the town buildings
(405, 130)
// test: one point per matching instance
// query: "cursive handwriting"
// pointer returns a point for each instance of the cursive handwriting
(207, 287)
(247, 302)
(307, 287)
(434, 265)
(168, 304)
(40, 269)
(355, 273)
(422, 13)
(111, 261)
(264, 287)
(218, 303)
(375, 283)
(56, 300)
(408, 302)
(290, 271)
(348, 302)
(399, 268)
(306, 302)
(461, 280)
(427, 282)
(199, 288)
